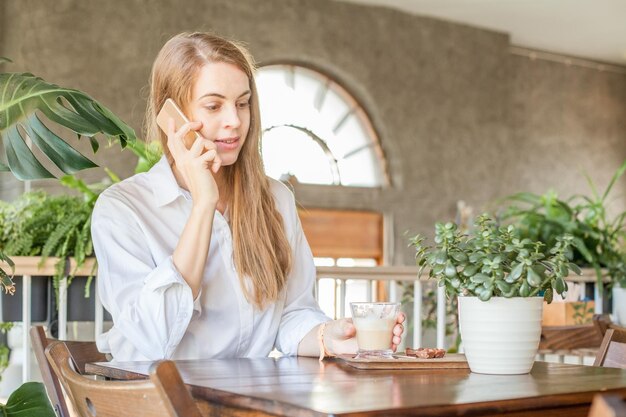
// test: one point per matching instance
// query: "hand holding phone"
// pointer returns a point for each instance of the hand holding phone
(207, 150)
(171, 110)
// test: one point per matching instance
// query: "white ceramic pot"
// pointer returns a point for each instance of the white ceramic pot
(619, 305)
(500, 336)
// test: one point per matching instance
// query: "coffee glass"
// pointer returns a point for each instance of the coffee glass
(374, 324)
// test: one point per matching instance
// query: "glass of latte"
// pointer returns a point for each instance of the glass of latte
(374, 324)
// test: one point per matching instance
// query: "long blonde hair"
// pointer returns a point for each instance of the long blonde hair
(261, 250)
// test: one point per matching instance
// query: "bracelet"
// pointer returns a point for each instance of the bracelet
(324, 353)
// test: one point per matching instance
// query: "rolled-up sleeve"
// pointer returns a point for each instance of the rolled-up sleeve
(150, 302)
(302, 312)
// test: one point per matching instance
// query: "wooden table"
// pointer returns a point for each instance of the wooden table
(292, 386)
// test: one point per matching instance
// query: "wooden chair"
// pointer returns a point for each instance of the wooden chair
(602, 323)
(569, 337)
(80, 353)
(612, 352)
(164, 394)
(605, 405)
(581, 340)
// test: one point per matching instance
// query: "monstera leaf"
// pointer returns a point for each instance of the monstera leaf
(29, 400)
(23, 97)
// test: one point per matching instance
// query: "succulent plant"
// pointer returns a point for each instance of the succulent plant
(494, 261)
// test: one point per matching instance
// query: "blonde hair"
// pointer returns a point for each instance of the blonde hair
(261, 250)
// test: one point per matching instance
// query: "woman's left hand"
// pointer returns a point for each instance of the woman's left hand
(340, 335)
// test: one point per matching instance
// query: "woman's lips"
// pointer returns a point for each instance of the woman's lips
(227, 144)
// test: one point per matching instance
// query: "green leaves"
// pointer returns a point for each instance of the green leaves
(40, 225)
(574, 268)
(598, 240)
(148, 154)
(491, 260)
(470, 270)
(516, 272)
(22, 97)
(506, 289)
(559, 285)
(479, 278)
(5, 279)
(29, 400)
(533, 278)
(450, 270)
(59, 152)
(548, 295)
(441, 257)
(524, 290)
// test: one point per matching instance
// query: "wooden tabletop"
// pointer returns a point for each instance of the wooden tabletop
(292, 386)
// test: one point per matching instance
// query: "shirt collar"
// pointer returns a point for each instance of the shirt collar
(163, 183)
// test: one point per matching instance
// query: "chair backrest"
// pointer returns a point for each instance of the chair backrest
(602, 323)
(612, 352)
(605, 405)
(569, 337)
(80, 353)
(164, 394)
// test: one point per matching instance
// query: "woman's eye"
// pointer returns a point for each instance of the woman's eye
(212, 107)
(243, 104)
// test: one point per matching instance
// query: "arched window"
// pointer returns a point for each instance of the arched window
(316, 131)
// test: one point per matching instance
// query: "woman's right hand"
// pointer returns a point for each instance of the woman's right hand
(197, 164)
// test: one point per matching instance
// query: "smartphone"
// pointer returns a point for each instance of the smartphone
(171, 110)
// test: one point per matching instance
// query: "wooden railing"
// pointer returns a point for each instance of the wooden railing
(30, 268)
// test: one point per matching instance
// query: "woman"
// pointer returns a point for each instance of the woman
(204, 256)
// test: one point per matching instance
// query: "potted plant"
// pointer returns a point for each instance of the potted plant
(501, 281)
(598, 237)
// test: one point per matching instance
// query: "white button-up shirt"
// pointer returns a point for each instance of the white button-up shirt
(136, 225)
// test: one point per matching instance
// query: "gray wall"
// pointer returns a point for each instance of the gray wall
(459, 117)
(566, 121)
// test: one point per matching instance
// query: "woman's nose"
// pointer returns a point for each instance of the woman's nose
(231, 117)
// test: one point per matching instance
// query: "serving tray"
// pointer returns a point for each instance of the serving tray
(401, 361)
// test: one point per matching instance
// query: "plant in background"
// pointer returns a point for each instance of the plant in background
(598, 240)
(148, 154)
(30, 399)
(24, 96)
(494, 261)
(4, 349)
(582, 313)
(37, 224)
(25, 103)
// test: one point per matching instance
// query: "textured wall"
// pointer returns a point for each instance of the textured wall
(458, 116)
(566, 121)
